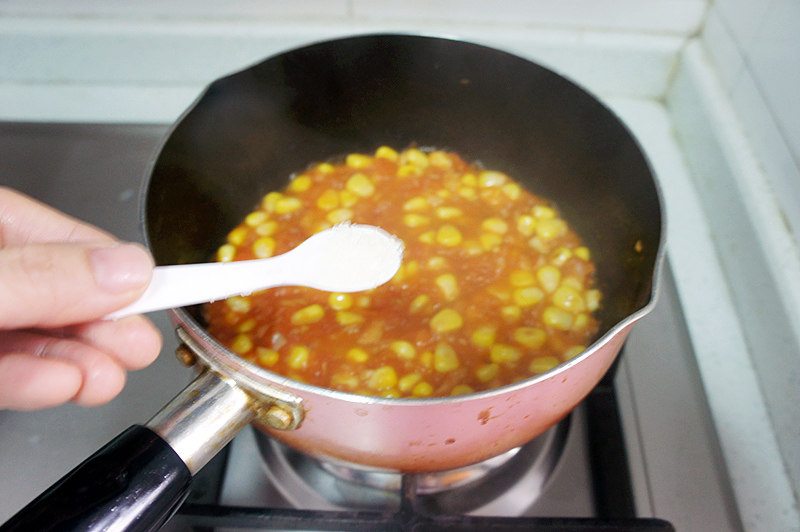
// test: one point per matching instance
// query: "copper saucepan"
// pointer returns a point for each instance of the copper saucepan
(245, 136)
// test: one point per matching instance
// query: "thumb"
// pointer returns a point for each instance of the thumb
(52, 285)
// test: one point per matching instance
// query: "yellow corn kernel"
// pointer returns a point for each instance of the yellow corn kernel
(487, 372)
(560, 255)
(300, 183)
(269, 201)
(469, 180)
(483, 336)
(246, 326)
(400, 275)
(511, 312)
(490, 241)
(495, 225)
(403, 349)
(357, 355)
(418, 303)
(383, 378)
(583, 253)
(407, 382)
(417, 203)
(527, 296)
(426, 359)
(287, 205)
(462, 389)
(415, 157)
(437, 263)
(557, 318)
(363, 301)
(256, 218)
(226, 253)
(526, 224)
(415, 220)
(473, 247)
(344, 317)
(339, 301)
(407, 170)
(347, 198)
(339, 215)
(446, 320)
(574, 351)
(542, 364)
(504, 354)
(385, 152)
(422, 389)
(241, 344)
(448, 213)
(467, 193)
(445, 358)
(448, 235)
(358, 160)
(549, 278)
(574, 282)
(264, 247)
(448, 284)
(543, 212)
(530, 337)
(592, 298)
(360, 185)
(328, 200)
(581, 321)
(492, 179)
(344, 380)
(428, 237)
(412, 268)
(237, 236)
(268, 228)
(512, 190)
(568, 298)
(240, 304)
(439, 159)
(325, 168)
(307, 315)
(298, 357)
(522, 278)
(266, 357)
(550, 228)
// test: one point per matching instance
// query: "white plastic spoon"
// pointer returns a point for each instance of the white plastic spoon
(344, 258)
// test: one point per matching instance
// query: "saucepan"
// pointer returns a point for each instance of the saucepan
(247, 134)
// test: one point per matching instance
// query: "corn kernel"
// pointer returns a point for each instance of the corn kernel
(462, 389)
(270, 200)
(581, 321)
(592, 299)
(264, 247)
(347, 198)
(428, 237)
(543, 212)
(445, 358)
(527, 296)
(437, 263)
(568, 298)
(583, 253)
(448, 213)
(268, 228)
(328, 200)
(446, 320)
(557, 318)
(325, 168)
(448, 235)
(422, 389)
(549, 278)
(504, 354)
(383, 378)
(408, 170)
(415, 157)
(467, 193)
(448, 285)
(473, 247)
(266, 357)
(403, 349)
(344, 317)
(440, 159)
(307, 315)
(490, 241)
(237, 236)
(287, 205)
(530, 337)
(560, 255)
(358, 160)
(487, 372)
(339, 301)
(344, 380)
(512, 190)
(574, 351)
(240, 304)
(385, 152)
(360, 185)
(469, 180)
(495, 225)
(412, 268)
(407, 382)
(363, 301)
(483, 336)
(521, 278)
(226, 253)
(574, 282)
(511, 312)
(416, 203)
(492, 179)
(542, 364)
(426, 359)
(548, 229)
(415, 220)
(300, 183)
(241, 344)
(400, 275)
(526, 224)
(247, 326)
(298, 357)
(418, 303)
(339, 215)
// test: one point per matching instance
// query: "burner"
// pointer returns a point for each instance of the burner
(504, 485)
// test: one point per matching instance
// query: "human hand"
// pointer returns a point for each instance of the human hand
(58, 278)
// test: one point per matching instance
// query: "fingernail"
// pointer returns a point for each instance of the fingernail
(121, 267)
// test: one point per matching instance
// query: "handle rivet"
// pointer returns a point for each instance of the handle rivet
(185, 356)
(278, 418)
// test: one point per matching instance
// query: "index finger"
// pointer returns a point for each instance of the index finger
(24, 220)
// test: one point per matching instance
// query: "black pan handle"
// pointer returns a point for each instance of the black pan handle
(135, 483)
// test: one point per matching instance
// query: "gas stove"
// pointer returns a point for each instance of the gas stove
(640, 451)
